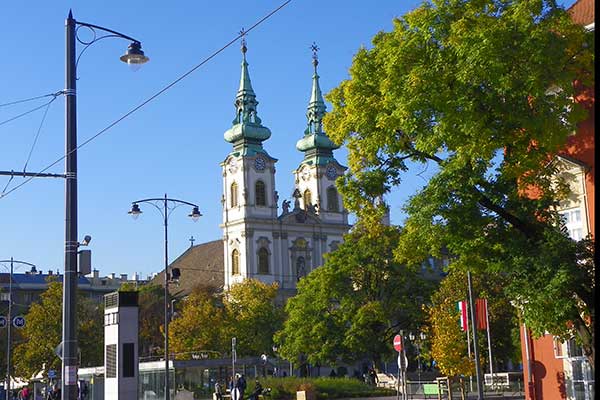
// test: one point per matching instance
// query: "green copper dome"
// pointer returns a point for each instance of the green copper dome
(247, 128)
(316, 144)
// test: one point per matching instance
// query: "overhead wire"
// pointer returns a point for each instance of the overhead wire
(29, 99)
(151, 98)
(47, 105)
(55, 95)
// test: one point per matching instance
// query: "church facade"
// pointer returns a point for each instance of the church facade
(263, 239)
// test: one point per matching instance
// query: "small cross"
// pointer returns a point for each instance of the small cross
(243, 34)
(314, 49)
(192, 240)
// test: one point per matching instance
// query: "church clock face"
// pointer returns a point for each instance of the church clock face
(331, 172)
(260, 164)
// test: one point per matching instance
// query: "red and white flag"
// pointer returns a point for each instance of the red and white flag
(462, 309)
(481, 313)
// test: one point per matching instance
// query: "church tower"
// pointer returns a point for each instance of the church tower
(249, 197)
(315, 176)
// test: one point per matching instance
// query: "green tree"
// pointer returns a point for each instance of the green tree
(482, 89)
(43, 333)
(199, 324)
(449, 343)
(152, 320)
(252, 316)
(351, 307)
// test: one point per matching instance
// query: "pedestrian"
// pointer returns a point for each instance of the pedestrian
(218, 391)
(54, 394)
(241, 386)
(24, 393)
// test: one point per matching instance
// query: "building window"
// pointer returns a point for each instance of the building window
(307, 198)
(234, 194)
(332, 200)
(263, 261)
(572, 222)
(260, 196)
(235, 262)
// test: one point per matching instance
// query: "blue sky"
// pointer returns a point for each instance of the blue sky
(175, 143)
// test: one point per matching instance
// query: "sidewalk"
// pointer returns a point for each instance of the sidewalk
(471, 396)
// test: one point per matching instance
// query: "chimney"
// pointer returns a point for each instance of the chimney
(112, 275)
(96, 273)
(123, 277)
(49, 272)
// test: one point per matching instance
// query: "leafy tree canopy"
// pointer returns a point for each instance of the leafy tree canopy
(252, 316)
(352, 306)
(199, 324)
(449, 343)
(483, 89)
(43, 333)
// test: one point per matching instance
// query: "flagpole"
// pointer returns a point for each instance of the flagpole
(474, 328)
(469, 351)
(487, 325)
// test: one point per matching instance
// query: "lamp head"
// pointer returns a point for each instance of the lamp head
(134, 56)
(195, 214)
(423, 336)
(135, 211)
(411, 336)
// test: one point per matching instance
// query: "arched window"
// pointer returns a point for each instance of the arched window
(307, 198)
(234, 194)
(235, 262)
(263, 261)
(332, 199)
(260, 196)
(300, 268)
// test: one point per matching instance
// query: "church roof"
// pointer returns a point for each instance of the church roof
(582, 12)
(199, 265)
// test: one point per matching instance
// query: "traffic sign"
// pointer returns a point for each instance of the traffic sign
(52, 374)
(18, 321)
(2, 321)
(398, 343)
(402, 361)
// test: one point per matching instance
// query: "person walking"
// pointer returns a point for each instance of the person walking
(241, 384)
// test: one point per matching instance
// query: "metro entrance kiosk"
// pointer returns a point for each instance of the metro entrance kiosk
(121, 346)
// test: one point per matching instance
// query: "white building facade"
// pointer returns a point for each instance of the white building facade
(262, 241)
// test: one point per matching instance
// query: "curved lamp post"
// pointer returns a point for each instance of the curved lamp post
(134, 56)
(9, 321)
(166, 206)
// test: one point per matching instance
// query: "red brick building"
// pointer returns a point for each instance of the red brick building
(554, 369)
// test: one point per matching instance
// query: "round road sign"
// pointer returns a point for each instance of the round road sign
(398, 343)
(2, 321)
(18, 321)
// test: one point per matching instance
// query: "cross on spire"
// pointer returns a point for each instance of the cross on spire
(243, 34)
(315, 57)
(192, 240)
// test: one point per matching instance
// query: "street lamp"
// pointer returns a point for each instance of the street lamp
(9, 321)
(417, 340)
(166, 206)
(134, 56)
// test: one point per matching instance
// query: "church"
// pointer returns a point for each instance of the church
(262, 239)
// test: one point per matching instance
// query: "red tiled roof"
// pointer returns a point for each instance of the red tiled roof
(582, 12)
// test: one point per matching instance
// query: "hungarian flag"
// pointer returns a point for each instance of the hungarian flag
(481, 312)
(462, 309)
